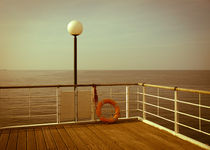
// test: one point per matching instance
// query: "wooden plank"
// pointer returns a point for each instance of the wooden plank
(160, 138)
(112, 144)
(66, 138)
(126, 141)
(143, 136)
(50, 143)
(31, 140)
(12, 142)
(127, 135)
(70, 129)
(4, 138)
(40, 141)
(86, 139)
(22, 139)
(93, 138)
(57, 138)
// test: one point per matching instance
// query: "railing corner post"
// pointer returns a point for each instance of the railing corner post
(144, 101)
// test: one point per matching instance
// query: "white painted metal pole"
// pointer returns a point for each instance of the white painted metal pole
(176, 120)
(158, 102)
(29, 103)
(57, 104)
(199, 105)
(127, 101)
(144, 100)
(92, 104)
(137, 97)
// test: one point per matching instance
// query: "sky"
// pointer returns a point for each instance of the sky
(117, 34)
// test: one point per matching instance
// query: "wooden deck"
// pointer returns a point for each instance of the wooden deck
(124, 135)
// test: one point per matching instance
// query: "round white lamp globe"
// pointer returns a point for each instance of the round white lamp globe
(75, 27)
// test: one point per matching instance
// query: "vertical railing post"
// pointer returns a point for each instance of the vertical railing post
(127, 101)
(176, 119)
(57, 105)
(158, 102)
(92, 103)
(199, 98)
(144, 101)
(29, 103)
(137, 97)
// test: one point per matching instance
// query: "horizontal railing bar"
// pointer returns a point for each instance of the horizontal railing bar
(26, 116)
(42, 105)
(120, 101)
(115, 84)
(129, 110)
(131, 93)
(123, 101)
(139, 109)
(193, 91)
(193, 104)
(175, 88)
(193, 116)
(118, 93)
(42, 115)
(193, 128)
(26, 107)
(165, 98)
(27, 97)
(67, 85)
(159, 117)
(160, 107)
(35, 86)
(156, 86)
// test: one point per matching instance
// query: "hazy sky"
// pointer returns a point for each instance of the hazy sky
(118, 34)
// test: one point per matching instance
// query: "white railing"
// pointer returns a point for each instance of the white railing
(140, 103)
(14, 115)
(176, 101)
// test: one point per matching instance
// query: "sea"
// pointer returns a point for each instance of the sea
(13, 101)
(194, 79)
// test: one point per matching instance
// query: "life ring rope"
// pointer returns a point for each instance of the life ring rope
(116, 107)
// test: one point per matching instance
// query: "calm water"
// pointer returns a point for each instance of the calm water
(185, 79)
(12, 112)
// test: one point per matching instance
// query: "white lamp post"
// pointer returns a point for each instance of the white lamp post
(75, 28)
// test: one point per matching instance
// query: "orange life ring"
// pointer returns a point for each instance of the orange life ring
(116, 107)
